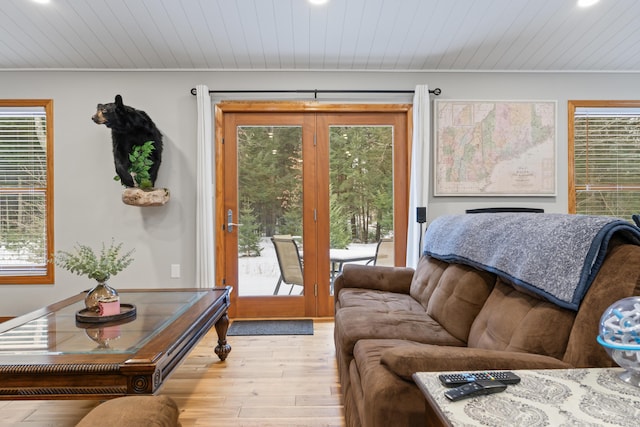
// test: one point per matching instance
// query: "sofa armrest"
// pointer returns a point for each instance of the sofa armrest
(404, 361)
(390, 279)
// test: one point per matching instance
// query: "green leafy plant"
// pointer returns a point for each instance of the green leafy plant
(83, 261)
(141, 164)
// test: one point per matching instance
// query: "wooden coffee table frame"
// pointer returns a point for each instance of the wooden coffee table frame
(109, 375)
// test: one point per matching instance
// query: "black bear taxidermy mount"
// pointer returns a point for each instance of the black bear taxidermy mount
(134, 137)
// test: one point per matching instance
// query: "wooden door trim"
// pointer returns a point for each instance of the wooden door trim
(307, 107)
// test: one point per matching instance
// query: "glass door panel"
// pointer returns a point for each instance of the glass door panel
(264, 207)
(270, 210)
(360, 194)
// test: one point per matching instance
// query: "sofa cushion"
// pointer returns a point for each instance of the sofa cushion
(426, 278)
(458, 297)
(513, 321)
(357, 323)
(378, 300)
(151, 411)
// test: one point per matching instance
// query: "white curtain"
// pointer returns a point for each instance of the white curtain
(205, 266)
(420, 171)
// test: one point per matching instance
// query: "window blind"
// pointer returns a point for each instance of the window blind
(32, 336)
(607, 161)
(23, 191)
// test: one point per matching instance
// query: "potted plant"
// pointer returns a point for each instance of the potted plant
(83, 261)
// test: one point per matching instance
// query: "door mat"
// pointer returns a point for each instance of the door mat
(270, 327)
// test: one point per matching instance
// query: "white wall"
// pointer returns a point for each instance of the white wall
(87, 201)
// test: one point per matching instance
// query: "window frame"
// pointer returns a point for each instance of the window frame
(49, 276)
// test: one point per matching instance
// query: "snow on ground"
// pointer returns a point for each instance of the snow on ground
(259, 275)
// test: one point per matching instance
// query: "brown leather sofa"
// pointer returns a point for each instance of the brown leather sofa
(446, 316)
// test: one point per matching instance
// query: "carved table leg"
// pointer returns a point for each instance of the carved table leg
(222, 349)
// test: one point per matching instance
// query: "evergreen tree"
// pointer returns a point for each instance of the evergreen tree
(248, 234)
(361, 177)
(340, 235)
(361, 173)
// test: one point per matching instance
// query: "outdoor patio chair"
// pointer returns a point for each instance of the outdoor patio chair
(385, 253)
(289, 262)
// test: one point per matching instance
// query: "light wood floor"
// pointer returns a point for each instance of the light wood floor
(266, 381)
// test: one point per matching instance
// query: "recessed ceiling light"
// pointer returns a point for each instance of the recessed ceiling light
(318, 1)
(42, 1)
(587, 3)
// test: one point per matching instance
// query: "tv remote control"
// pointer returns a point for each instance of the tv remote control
(455, 380)
(477, 388)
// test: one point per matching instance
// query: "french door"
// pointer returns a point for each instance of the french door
(301, 190)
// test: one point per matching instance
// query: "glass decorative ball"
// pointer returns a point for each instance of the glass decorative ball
(620, 336)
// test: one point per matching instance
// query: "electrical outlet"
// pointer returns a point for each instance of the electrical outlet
(175, 271)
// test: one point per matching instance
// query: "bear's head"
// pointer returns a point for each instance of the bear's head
(113, 115)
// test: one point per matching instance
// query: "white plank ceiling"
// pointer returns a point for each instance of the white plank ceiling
(523, 35)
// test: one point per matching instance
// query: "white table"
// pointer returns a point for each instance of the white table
(339, 257)
(551, 397)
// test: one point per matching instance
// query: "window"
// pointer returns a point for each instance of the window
(604, 158)
(26, 191)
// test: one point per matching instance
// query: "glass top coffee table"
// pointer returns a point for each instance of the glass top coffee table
(48, 354)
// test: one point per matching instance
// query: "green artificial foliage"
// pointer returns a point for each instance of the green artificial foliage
(85, 262)
(140, 165)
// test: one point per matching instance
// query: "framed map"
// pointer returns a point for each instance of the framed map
(495, 148)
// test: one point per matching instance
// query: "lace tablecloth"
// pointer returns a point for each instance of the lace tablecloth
(554, 397)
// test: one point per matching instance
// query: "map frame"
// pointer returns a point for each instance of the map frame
(541, 181)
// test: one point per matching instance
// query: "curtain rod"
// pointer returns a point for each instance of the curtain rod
(315, 92)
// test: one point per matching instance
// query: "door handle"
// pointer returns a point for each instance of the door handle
(230, 222)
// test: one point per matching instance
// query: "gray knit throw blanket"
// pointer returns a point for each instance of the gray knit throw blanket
(554, 255)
